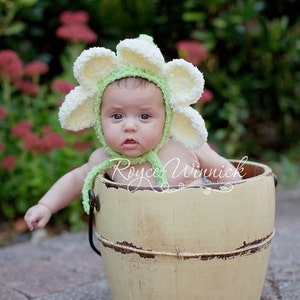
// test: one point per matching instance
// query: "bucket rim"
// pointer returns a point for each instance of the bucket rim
(263, 170)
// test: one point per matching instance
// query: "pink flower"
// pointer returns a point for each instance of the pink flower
(207, 96)
(3, 112)
(2, 147)
(10, 64)
(69, 17)
(46, 129)
(33, 142)
(27, 87)
(9, 161)
(21, 129)
(53, 141)
(35, 68)
(77, 32)
(62, 86)
(192, 51)
(74, 27)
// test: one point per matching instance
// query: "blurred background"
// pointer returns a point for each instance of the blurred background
(248, 51)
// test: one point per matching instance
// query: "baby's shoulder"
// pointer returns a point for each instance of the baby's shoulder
(171, 143)
(175, 146)
(98, 156)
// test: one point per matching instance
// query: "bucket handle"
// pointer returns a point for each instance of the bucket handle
(275, 179)
(94, 204)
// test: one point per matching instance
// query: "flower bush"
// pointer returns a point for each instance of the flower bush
(34, 150)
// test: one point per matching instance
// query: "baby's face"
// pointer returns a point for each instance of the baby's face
(132, 118)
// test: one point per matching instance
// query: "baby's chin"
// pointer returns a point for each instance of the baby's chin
(133, 152)
(132, 155)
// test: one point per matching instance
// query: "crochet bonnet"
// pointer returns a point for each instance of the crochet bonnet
(181, 84)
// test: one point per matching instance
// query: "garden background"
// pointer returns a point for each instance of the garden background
(248, 50)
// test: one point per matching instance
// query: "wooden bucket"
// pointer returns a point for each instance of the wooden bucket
(209, 242)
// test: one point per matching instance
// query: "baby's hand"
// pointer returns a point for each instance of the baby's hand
(37, 216)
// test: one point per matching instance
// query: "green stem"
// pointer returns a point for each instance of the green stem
(6, 88)
(7, 92)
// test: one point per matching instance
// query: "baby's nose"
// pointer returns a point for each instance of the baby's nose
(130, 124)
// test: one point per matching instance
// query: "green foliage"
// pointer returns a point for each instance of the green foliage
(8, 11)
(253, 72)
(36, 170)
(133, 15)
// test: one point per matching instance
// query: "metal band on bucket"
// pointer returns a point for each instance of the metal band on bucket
(247, 249)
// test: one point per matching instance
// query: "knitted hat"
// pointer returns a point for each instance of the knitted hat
(181, 84)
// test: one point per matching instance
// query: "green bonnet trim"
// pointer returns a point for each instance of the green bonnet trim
(132, 71)
(115, 157)
(100, 169)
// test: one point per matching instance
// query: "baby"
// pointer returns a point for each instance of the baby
(147, 139)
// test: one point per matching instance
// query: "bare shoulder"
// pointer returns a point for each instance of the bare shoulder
(205, 150)
(173, 146)
(178, 149)
(209, 158)
(97, 157)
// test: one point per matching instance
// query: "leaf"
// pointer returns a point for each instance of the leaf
(26, 2)
(14, 28)
(193, 16)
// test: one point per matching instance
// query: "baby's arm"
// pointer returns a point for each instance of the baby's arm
(215, 167)
(62, 193)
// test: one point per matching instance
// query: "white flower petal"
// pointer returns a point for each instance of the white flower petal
(188, 127)
(185, 81)
(76, 113)
(141, 53)
(93, 64)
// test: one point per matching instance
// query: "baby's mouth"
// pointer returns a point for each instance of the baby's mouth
(130, 142)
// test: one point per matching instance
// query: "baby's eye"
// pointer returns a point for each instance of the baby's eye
(145, 116)
(117, 116)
